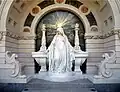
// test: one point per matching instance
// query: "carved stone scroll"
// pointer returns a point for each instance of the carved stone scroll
(104, 72)
(11, 58)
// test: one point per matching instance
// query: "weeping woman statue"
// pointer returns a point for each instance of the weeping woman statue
(61, 53)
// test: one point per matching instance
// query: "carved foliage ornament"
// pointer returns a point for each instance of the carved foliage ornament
(118, 33)
(94, 37)
(14, 36)
(111, 33)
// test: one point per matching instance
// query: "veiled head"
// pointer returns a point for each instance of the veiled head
(60, 30)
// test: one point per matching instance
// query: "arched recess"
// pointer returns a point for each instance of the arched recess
(59, 7)
(67, 20)
(64, 7)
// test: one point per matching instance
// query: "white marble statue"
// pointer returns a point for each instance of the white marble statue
(60, 53)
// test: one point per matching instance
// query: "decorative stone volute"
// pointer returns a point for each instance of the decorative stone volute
(104, 72)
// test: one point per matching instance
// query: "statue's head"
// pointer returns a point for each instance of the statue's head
(60, 30)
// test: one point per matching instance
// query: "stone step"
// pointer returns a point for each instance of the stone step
(39, 85)
(61, 90)
(79, 81)
(58, 86)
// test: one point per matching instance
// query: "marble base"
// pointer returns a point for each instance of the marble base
(16, 80)
(59, 77)
(111, 80)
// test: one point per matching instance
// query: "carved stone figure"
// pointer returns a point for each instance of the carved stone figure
(61, 53)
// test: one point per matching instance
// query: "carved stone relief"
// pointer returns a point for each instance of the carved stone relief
(104, 72)
(39, 35)
(97, 36)
(94, 28)
(11, 58)
(26, 29)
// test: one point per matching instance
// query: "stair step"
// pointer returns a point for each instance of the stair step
(61, 90)
(40, 81)
(58, 85)
(39, 85)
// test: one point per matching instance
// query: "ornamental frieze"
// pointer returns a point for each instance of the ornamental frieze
(111, 33)
(94, 36)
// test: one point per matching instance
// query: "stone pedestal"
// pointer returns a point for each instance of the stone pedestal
(80, 58)
(41, 59)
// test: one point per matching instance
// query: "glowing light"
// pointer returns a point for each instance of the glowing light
(59, 19)
(59, 25)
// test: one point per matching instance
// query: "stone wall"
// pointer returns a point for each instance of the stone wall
(2, 50)
(95, 49)
(25, 49)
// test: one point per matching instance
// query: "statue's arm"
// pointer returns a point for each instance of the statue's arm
(52, 43)
(69, 45)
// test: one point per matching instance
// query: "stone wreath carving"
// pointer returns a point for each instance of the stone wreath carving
(11, 58)
(104, 72)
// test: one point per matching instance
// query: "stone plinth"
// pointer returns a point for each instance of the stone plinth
(41, 59)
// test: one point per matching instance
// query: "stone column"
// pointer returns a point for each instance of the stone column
(77, 47)
(43, 44)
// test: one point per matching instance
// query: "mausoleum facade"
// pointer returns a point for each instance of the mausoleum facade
(21, 34)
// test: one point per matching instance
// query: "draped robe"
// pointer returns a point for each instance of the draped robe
(61, 54)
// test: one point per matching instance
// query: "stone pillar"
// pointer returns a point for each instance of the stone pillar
(77, 47)
(43, 44)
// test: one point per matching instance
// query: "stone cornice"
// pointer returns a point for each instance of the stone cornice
(118, 33)
(94, 37)
(104, 36)
(111, 33)
(91, 36)
(26, 38)
(15, 36)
